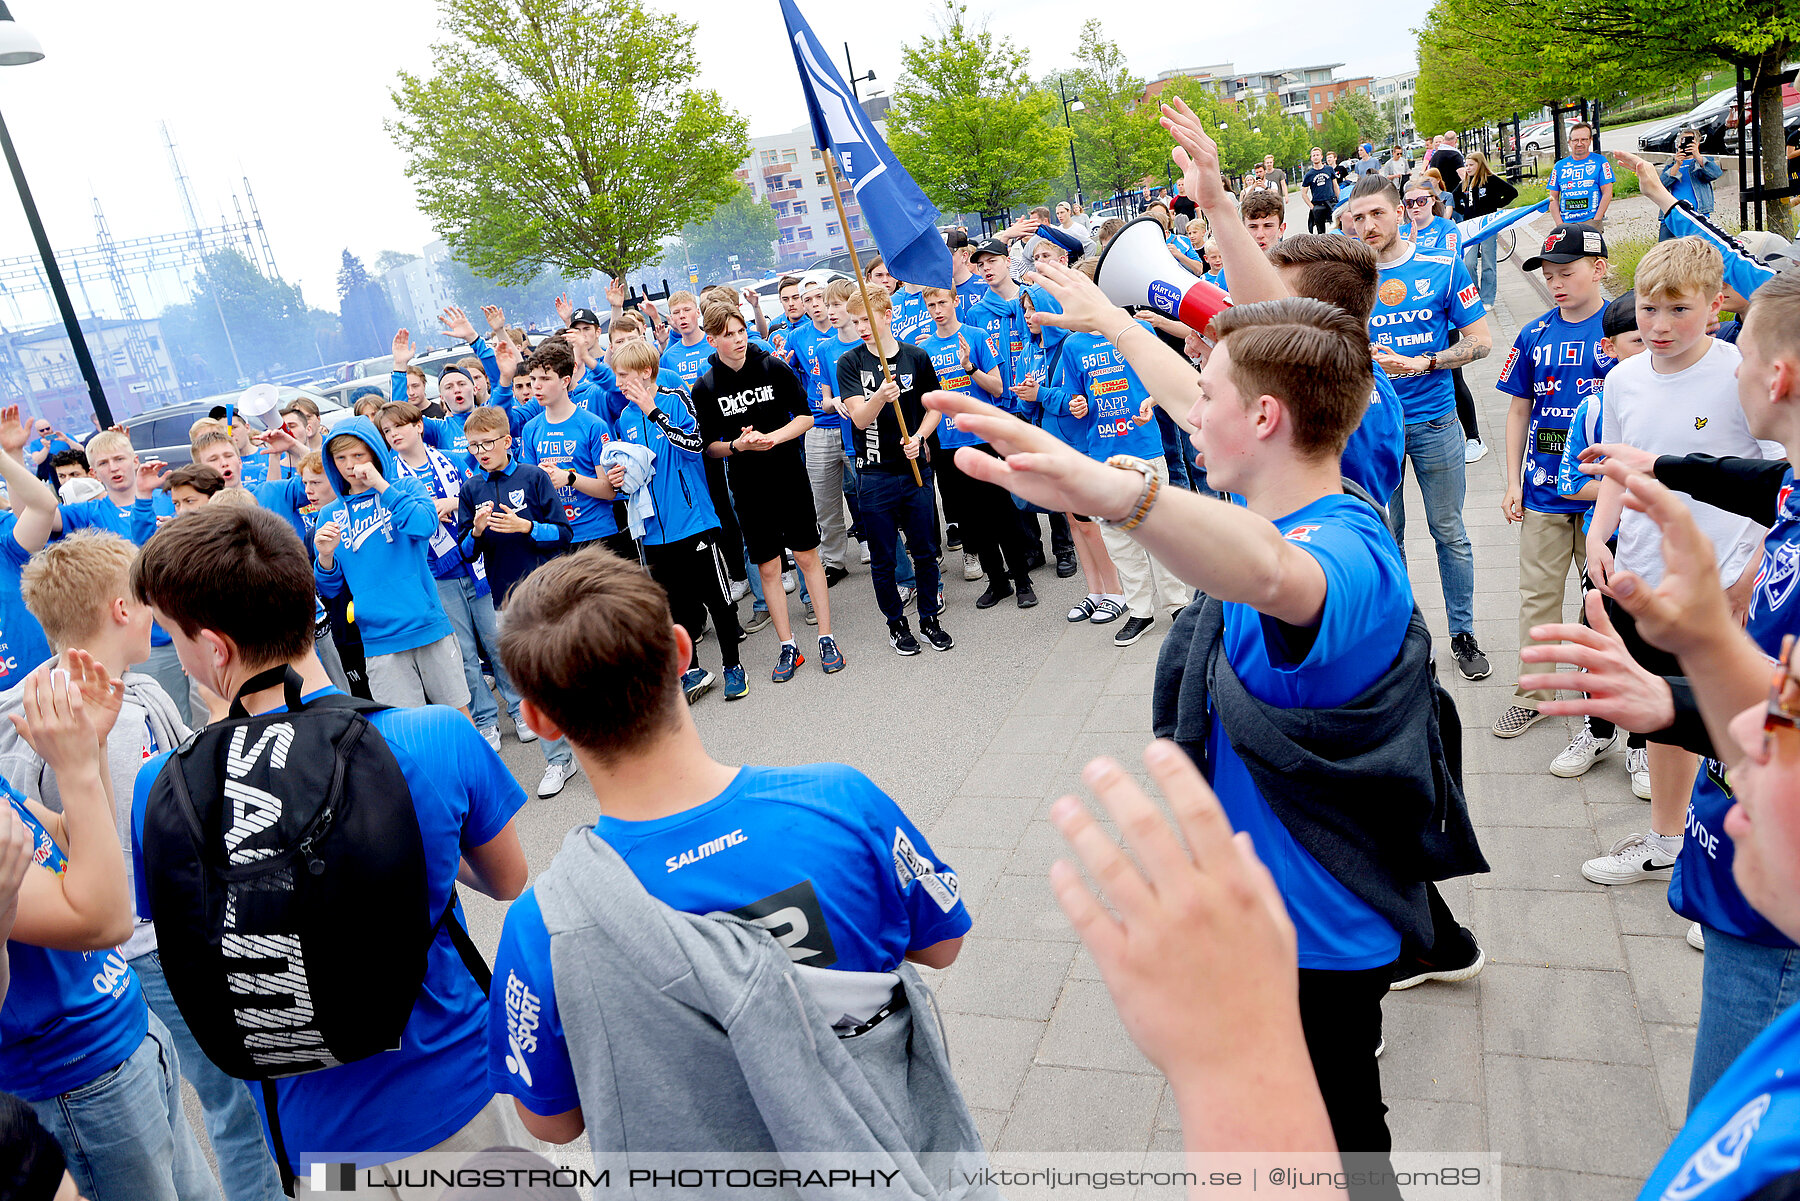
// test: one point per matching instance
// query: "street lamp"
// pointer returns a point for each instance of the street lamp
(17, 48)
(853, 76)
(1071, 106)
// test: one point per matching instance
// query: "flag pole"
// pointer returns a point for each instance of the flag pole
(862, 286)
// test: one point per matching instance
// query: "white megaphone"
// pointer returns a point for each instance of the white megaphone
(1137, 270)
(258, 400)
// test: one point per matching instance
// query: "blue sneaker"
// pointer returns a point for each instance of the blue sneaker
(735, 683)
(788, 664)
(695, 681)
(830, 657)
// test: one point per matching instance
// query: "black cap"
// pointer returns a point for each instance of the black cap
(583, 317)
(1567, 243)
(957, 238)
(1620, 316)
(454, 369)
(991, 246)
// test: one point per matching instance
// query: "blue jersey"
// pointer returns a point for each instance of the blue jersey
(1368, 604)
(967, 293)
(1372, 457)
(947, 360)
(911, 319)
(69, 1016)
(682, 505)
(1584, 431)
(409, 1099)
(817, 854)
(1555, 364)
(689, 362)
(1744, 1135)
(1419, 302)
(818, 370)
(1089, 365)
(1438, 237)
(573, 443)
(796, 345)
(1182, 243)
(998, 320)
(1702, 887)
(1576, 184)
(22, 642)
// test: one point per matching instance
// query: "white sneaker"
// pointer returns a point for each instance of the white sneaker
(866, 556)
(492, 734)
(1637, 762)
(1696, 938)
(1631, 859)
(523, 732)
(971, 567)
(739, 590)
(555, 776)
(1583, 751)
(1474, 450)
(788, 583)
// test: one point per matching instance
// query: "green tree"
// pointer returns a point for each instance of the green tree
(1371, 124)
(968, 123)
(743, 226)
(564, 133)
(1339, 133)
(1117, 141)
(523, 303)
(1599, 47)
(271, 328)
(366, 313)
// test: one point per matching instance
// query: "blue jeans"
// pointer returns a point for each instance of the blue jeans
(246, 1168)
(892, 504)
(1436, 450)
(478, 636)
(903, 568)
(1487, 256)
(1743, 987)
(124, 1133)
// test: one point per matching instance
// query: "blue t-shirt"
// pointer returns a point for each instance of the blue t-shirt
(573, 443)
(689, 362)
(1745, 1133)
(818, 855)
(1555, 364)
(1418, 303)
(946, 360)
(1584, 431)
(1702, 887)
(1683, 187)
(1577, 183)
(22, 642)
(1373, 455)
(796, 345)
(1182, 243)
(912, 320)
(1438, 237)
(69, 1016)
(1368, 604)
(1320, 183)
(407, 1100)
(1089, 365)
(967, 293)
(819, 374)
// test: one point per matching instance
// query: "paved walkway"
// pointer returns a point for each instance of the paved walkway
(1568, 1055)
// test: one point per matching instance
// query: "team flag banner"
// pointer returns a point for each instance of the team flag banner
(1477, 230)
(903, 223)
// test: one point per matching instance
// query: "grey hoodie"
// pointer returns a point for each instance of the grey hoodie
(149, 722)
(693, 1035)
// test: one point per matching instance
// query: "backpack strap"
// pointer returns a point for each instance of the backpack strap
(278, 1144)
(465, 946)
(284, 675)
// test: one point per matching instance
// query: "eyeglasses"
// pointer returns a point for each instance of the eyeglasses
(1418, 202)
(481, 448)
(1784, 696)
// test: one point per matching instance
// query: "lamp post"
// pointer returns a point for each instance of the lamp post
(1071, 106)
(854, 77)
(17, 48)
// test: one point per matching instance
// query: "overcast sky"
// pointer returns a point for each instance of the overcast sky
(294, 95)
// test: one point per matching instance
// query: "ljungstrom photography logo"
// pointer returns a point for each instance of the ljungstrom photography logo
(333, 1178)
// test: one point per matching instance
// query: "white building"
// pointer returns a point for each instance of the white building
(1397, 87)
(417, 291)
(786, 171)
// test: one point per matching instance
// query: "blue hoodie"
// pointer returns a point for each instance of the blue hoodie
(683, 505)
(384, 557)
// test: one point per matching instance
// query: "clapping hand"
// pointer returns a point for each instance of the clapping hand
(103, 694)
(13, 435)
(505, 521)
(55, 721)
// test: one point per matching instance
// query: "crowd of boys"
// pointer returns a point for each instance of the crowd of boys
(587, 509)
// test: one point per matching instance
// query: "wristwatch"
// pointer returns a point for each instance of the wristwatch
(1431, 361)
(1146, 498)
(571, 480)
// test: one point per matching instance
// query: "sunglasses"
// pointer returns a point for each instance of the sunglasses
(1419, 202)
(1784, 696)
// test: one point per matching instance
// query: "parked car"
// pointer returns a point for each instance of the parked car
(1790, 109)
(1708, 117)
(163, 433)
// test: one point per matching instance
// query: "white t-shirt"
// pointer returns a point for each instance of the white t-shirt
(1685, 412)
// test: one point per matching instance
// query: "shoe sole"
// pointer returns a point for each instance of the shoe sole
(699, 692)
(1455, 976)
(1118, 641)
(1063, 575)
(1468, 675)
(738, 696)
(1499, 733)
(1660, 873)
(905, 654)
(948, 646)
(757, 627)
(1102, 619)
(832, 671)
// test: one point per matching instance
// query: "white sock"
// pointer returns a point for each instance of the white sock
(1095, 597)
(1117, 598)
(1668, 844)
(789, 643)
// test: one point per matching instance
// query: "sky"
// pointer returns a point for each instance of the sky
(294, 97)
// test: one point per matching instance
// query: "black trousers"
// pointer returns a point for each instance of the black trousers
(1318, 219)
(731, 539)
(1341, 1015)
(689, 571)
(990, 522)
(621, 544)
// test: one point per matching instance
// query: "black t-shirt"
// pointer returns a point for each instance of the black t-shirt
(859, 374)
(1184, 206)
(1448, 163)
(764, 395)
(1320, 183)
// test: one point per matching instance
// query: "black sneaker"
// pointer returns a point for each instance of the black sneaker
(835, 574)
(900, 635)
(996, 592)
(1066, 565)
(934, 634)
(1027, 596)
(1410, 970)
(1035, 559)
(1133, 629)
(952, 537)
(1469, 660)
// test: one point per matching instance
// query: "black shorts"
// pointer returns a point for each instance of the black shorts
(774, 511)
(1654, 660)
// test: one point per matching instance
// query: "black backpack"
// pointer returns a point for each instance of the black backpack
(286, 873)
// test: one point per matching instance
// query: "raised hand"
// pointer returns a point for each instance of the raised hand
(457, 324)
(1618, 689)
(564, 310)
(1035, 464)
(326, 538)
(1196, 154)
(403, 350)
(1084, 305)
(615, 294)
(103, 693)
(506, 356)
(496, 317)
(56, 723)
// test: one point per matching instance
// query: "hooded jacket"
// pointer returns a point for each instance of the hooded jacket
(384, 556)
(682, 506)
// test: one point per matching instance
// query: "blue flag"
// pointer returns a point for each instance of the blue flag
(1477, 230)
(902, 221)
